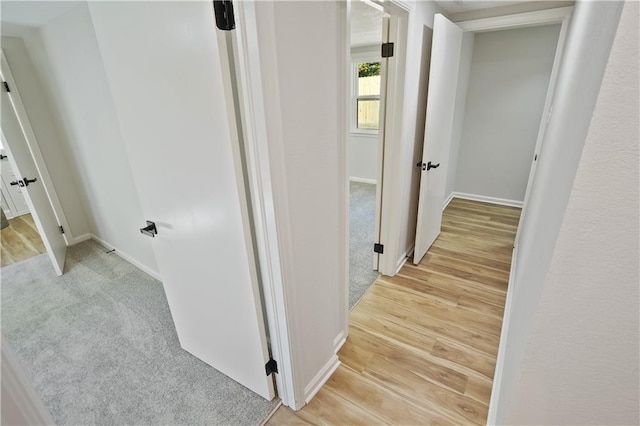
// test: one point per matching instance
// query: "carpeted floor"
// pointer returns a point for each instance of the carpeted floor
(362, 214)
(100, 347)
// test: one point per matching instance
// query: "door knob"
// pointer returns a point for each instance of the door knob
(2, 156)
(150, 230)
(16, 182)
(432, 166)
(28, 181)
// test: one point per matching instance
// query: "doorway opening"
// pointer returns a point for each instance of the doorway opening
(19, 238)
(364, 140)
(41, 224)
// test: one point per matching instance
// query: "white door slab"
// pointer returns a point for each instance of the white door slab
(15, 143)
(164, 66)
(443, 79)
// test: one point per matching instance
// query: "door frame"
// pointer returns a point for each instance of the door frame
(34, 148)
(390, 176)
(241, 51)
(562, 16)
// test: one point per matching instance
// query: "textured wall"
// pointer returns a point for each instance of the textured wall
(581, 362)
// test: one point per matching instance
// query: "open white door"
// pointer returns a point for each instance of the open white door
(14, 141)
(164, 66)
(443, 81)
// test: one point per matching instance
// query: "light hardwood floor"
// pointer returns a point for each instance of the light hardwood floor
(422, 345)
(20, 241)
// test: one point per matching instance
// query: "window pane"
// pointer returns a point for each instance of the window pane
(368, 113)
(368, 78)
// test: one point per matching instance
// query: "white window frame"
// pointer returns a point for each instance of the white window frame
(356, 58)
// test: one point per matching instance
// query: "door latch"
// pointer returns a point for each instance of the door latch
(427, 166)
(150, 230)
(28, 181)
(17, 182)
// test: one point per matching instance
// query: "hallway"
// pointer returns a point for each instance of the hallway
(422, 345)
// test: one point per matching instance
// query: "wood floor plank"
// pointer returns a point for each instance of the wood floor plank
(422, 345)
(380, 401)
(327, 407)
(20, 240)
(287, 417)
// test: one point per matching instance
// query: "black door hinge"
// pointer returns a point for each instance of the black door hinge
(378, 248)
(271, 366)
(387, 50)
(61, 229)
(6, 86)
(223, 10)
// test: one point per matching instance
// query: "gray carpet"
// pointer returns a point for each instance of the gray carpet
(362, 215)
(100, 347)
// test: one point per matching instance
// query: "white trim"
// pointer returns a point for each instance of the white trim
(81, 238)
(506, 317)
(526, 19)
(22, 402)
(321, 378)
(339, 341)
(363, 180)
(391, 186)
(448, 200)
(32, 143)
(544, 120)
(487, 199)
(272, 235)
(126, 257)
(404, 258)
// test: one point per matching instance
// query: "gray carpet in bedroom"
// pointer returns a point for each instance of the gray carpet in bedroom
(100, 347)
(362, 214)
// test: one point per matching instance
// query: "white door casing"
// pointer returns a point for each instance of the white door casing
(443, 81)
(15, 143)
(164, 68)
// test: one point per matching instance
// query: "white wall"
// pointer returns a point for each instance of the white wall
(510, 71)
(69, 64)
(307, 172)
(464, 73)
(414, 105)
(582, 356)
(589, 41)
(362, 154)
(42, 117)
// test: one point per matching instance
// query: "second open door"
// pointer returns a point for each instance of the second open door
(443, 81)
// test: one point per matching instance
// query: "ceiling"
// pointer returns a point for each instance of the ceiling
(455, 6)
(366, 24)
(17, 16)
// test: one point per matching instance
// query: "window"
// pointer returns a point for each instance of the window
(367, 95)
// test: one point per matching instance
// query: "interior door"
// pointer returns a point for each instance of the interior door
(163, 62)
(13, 193)
(443, 79)
(14, 142)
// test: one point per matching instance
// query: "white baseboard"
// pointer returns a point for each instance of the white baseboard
(339, 341)
(120, 253)
(321, 378)
(404, 258)
(81, 238)
(486, 199)
(447, 201)
(362, 180)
